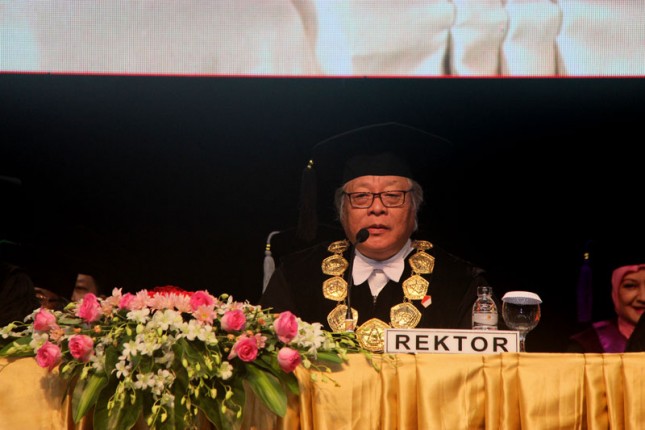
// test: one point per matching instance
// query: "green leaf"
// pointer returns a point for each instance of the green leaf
(194, 352)
(329, 356)
(168, 424)
(291, 382)
(212, 408)
(270, 363)
(18, 348)
(67, 319)
(111, 359)
(268, 388)
(86, 393)
(100, 417)
(180, 387)
(122, 416)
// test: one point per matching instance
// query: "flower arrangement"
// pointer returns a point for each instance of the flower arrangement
(169, 354)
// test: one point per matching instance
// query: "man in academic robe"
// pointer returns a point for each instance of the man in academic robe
(379, 270)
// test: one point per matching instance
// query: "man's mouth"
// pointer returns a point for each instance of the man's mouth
(377, 228)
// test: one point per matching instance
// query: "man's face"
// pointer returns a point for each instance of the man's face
(389, 227)
(84, 284)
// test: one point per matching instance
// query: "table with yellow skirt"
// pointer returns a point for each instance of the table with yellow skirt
(426, 391)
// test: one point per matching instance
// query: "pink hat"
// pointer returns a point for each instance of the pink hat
(617, 277)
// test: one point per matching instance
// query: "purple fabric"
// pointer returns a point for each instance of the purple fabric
(600, 337)
(611, 339)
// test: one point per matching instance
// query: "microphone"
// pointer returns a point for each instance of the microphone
(361, 237)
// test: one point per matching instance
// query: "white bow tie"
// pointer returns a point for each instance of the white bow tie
(363, 268)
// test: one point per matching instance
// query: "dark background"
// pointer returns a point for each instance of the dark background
(184, 177)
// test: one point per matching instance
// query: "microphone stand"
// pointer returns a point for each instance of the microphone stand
(361, 237)
(349, 315)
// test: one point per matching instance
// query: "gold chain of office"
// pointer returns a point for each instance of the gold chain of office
(371, 334)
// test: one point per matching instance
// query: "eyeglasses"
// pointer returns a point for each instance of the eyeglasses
(389, 199)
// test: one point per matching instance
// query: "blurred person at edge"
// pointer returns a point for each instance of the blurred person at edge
(18, 297)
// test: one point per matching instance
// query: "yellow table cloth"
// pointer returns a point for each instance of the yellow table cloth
(399, 391)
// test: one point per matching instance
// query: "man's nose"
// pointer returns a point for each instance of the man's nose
(377, 205)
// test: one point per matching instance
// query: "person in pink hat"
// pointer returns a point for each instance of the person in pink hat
(628, 296)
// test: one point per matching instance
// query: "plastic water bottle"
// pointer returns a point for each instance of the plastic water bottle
(484, 310)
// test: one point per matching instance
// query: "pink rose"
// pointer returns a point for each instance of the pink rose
(286, 326)
(48, 355)
(125, 301)
(288, 359)
(246, 348)
(89, 310)
(81, 347)
(44, 320)
(200, 298)
(233, 320)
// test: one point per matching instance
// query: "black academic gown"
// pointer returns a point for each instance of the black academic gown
(636, 342)
(296, 286)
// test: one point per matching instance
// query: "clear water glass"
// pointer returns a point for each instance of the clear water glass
(521, 312)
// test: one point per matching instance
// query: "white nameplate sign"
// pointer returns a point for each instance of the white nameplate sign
(423, 340)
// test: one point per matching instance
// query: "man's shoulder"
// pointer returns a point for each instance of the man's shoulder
(447, 260)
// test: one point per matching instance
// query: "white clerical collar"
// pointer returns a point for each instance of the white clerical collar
(392, 267)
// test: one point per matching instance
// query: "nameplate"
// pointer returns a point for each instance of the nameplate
(425, 340)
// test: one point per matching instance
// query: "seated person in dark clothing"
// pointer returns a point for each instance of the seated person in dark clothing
(396, 279)
(627, 280)
(17, 294)
(31, 275)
